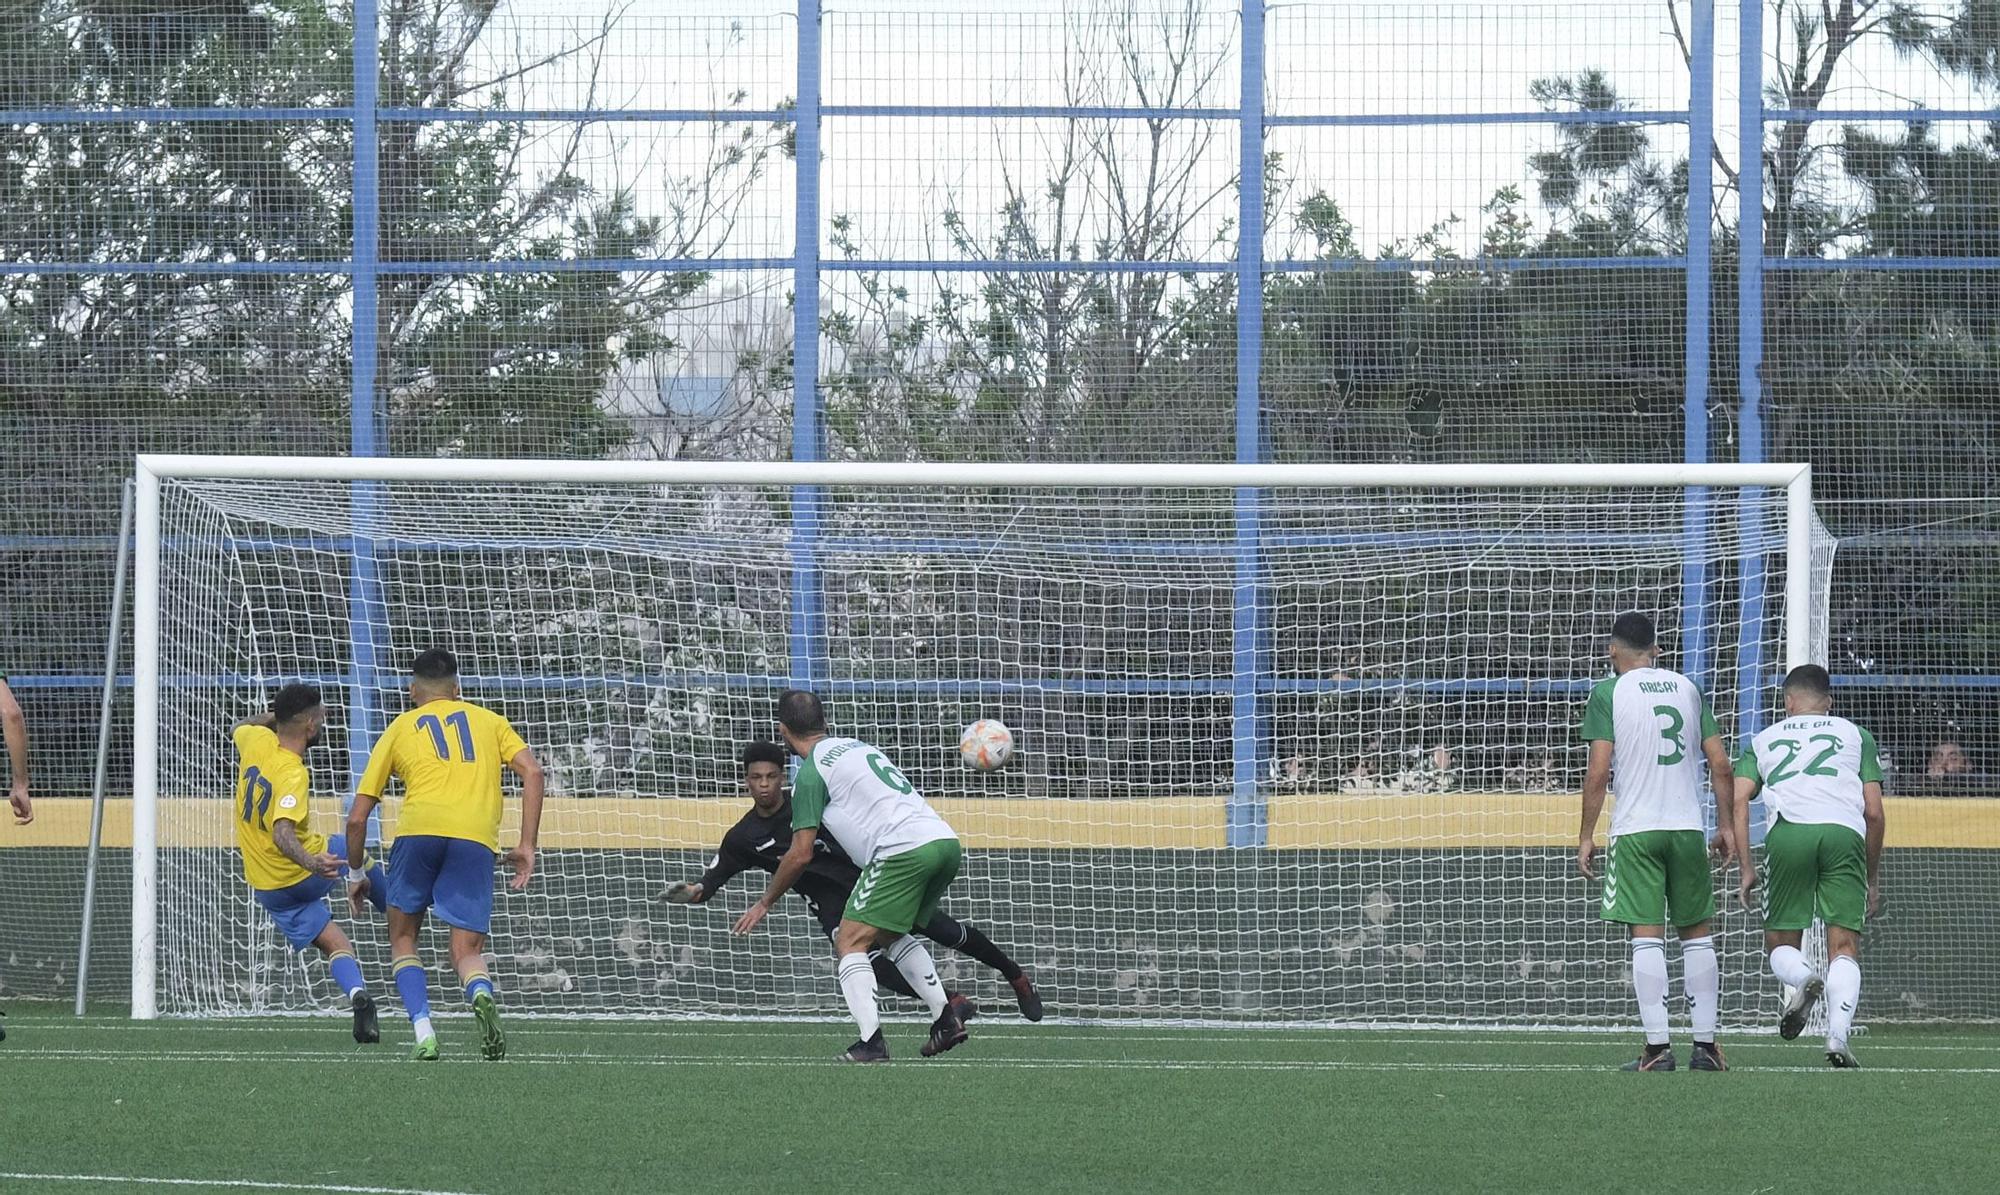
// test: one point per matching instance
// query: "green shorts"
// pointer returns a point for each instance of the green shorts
(1659, 877)
(1813, 868)
(901, 892)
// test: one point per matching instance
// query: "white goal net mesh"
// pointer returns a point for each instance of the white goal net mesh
(1290, 755)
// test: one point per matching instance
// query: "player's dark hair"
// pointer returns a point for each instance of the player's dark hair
(1809, 680)
(294, 699)
(1633, 631)
(801, 713)
(435, 664)
(763, 753)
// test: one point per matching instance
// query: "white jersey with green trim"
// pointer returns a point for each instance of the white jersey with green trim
(1813, 768)
(872, 810)
(1656, 721)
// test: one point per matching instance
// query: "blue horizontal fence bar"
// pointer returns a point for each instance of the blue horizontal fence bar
(838, 545)
(1028, 112)
(1881, 263)
(1464, 686)
(62, 116)
(655, 265)
(21, 116)
(586, 115)
(1797, 115)
(929, 686)
(950, 266)
(1364, 119)
(880, 265)
(1439, 265)
(226, 268)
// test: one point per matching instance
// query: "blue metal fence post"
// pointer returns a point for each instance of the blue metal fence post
(1695, 582)
(1750, 703)
(1250, 632)
(807, 623)
(364, 597)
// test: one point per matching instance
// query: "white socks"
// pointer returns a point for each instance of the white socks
(1790, 966)
(917, 968)
(857, 983)
(1649, 984)
(1843, 992)
(1701, 976)
(422, 1027)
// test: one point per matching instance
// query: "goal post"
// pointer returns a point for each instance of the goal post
(1297, 741)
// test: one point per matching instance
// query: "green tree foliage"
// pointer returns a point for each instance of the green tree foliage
(471, 362)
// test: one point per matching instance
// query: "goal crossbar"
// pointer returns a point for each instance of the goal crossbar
(974, 475)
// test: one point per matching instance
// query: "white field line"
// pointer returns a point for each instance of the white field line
(709, 1060)
(1005, 1031)
(243, 1184)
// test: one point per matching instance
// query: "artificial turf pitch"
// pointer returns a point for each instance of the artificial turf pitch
(590, 1106)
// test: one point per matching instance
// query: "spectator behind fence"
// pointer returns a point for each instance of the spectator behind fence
(1947, 760)
(1948, 772)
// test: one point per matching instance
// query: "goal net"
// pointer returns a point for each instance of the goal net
(1294, 745)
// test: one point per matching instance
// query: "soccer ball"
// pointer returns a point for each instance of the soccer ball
(986, 744)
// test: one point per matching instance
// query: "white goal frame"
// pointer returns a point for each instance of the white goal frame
(151, 470)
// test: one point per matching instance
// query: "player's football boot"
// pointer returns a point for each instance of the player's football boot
(1026, 996)
(872, 1050)
(1841, 1058)
(946, 1032)
(961, 1004)
(486, 1010)
(3, 1029)
(425, 1051)
(1707, 1056)
(1798, 1003)
(1661, 1059)
(367, 1029)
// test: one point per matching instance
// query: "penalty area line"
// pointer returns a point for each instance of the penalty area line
(1127, 1064)
(237, 1184)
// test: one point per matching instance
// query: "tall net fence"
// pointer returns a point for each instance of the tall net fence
(925, 230)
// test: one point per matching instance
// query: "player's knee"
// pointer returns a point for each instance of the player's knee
(467, 946)
(853, 937)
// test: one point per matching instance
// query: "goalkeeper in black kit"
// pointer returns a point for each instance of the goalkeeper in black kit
(760, 840)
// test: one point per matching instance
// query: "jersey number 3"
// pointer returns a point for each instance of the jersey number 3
(458, 722)
(1671, 732)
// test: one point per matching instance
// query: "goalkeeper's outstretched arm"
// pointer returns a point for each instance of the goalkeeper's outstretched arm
(722, 869)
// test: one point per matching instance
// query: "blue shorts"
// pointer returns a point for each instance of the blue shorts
(452, 875)
(300, 911)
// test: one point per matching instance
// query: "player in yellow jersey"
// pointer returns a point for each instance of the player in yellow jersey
(289, 866)
(448, 753)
